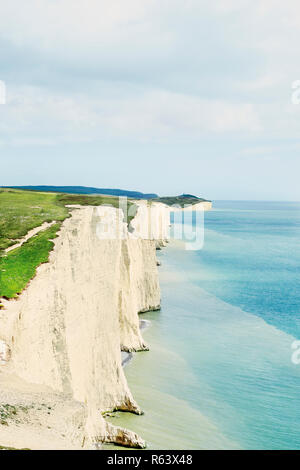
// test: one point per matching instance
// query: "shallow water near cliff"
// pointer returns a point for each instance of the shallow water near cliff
(219, 373)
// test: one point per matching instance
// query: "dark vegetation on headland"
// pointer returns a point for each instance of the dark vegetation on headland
(20, 212)
(182, 200)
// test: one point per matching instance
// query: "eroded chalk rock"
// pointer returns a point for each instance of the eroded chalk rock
(4, 353)
(123, 437)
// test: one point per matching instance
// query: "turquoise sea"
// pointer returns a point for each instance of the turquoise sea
(219, 374)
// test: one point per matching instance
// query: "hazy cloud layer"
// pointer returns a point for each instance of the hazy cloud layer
(212, 79)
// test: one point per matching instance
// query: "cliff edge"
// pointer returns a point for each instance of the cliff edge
(61, 340)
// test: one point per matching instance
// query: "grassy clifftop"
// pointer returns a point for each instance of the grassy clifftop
(88, 190)
(21, 211)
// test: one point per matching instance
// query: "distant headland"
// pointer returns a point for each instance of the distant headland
(181, 200)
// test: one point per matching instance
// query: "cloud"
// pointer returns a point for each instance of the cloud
(196, 72)
(182, 46)
(33, 116)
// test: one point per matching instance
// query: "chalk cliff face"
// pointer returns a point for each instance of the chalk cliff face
(61, 341)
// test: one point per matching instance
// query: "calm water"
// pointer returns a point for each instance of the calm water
(219, 373)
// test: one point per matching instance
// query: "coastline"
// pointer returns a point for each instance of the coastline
(219, 373)
(169, 421)
(63, 352)
(128, 356)
(113, 292)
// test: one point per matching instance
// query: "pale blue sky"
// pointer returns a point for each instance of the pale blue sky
(152, 95)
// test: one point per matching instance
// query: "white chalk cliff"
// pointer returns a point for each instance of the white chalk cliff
(61, 340)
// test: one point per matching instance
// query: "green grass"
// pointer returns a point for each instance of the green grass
(19, 265)
(21, 211)
(87, 200)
